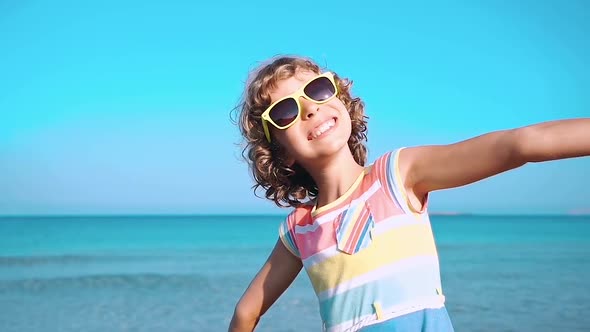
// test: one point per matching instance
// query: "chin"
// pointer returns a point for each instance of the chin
(333, 146)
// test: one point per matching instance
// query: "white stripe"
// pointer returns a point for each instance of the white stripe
(397, 267)
(330, 216)
(320, 256)
(306, 228)
(397, 187)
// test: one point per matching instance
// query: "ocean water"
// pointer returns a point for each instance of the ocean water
(500, 273)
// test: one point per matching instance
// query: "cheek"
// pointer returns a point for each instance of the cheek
(348, 126)
(346, 123)
(344, 113)
(341, 107)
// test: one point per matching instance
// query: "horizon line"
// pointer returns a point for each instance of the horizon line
(242, 214)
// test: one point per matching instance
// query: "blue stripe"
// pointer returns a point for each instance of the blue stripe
(394, 187)
(289, 240)
(390, 181)
(365, 238)
(427, 320)
(341, 229)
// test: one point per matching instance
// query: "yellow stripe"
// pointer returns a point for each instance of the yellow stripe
(378, 310)
(387, 248)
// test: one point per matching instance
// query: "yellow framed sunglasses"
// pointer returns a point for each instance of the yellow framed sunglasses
(284, 112)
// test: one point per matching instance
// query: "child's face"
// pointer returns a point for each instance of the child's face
(322, 130)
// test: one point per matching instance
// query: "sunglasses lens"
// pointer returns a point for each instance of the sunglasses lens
(285, 112)
(320, 89)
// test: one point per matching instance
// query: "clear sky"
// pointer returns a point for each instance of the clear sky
(117, 107)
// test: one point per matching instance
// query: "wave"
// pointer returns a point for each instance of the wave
(68, 259)
(122, 256)
(120, 281)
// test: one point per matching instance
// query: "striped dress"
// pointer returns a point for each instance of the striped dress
(370, 257)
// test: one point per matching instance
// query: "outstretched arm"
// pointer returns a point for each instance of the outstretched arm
(272, 280)
(429, 168)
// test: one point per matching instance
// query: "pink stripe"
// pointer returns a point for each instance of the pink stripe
(357, 230)
(320, 239)
(381, 207)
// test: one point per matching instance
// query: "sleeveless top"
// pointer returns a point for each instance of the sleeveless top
(369, 255)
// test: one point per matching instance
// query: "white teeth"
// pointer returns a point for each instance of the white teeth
(323, 128)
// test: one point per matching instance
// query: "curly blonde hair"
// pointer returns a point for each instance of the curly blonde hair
(288, 185)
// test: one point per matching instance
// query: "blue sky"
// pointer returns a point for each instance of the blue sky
(123, 107)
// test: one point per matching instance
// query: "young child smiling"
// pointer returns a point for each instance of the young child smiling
(362, 232)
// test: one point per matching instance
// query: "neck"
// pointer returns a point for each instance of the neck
(334, 176)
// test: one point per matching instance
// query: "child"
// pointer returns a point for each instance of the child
(362, 232)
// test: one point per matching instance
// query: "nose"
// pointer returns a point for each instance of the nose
(308, 108)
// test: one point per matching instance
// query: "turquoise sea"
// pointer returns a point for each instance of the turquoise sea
(169, 273)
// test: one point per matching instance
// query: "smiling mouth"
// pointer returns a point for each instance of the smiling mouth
(322, 129)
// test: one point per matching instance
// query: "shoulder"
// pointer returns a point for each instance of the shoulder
(386, 166)
(300, 216)
(393, 168)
